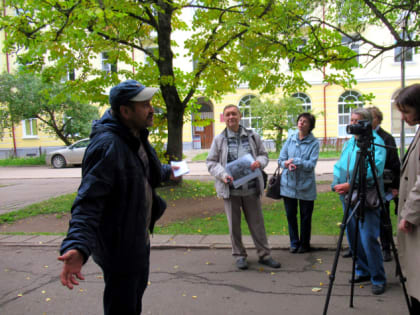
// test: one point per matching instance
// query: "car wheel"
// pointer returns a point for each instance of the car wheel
(58, 161)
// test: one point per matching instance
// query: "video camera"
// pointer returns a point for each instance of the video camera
(363, 127)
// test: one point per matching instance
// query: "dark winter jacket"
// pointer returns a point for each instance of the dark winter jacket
(392, 162)
(108, 214)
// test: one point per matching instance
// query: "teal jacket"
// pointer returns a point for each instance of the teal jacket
(343, 169)
(300, 183)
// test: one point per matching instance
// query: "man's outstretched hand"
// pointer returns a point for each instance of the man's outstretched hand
(73, 262)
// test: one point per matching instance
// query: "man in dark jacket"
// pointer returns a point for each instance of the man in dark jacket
(391, 178)
(116, 205)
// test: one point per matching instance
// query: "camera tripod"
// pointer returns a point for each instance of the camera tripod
(363, 157)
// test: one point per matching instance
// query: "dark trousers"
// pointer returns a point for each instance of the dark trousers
(306, 208)
(124, 291)
(385, 236)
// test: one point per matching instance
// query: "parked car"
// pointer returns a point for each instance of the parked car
(71, 155)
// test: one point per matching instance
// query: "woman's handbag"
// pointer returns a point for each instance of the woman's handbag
(273, 187)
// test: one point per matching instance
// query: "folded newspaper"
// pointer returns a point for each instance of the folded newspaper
(240, 170)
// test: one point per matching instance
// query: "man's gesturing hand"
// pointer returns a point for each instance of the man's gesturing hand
(73, 262)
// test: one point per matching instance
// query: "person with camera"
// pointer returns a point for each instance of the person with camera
(408, 103)
(369, 260)
(391, 179)
(298, 157)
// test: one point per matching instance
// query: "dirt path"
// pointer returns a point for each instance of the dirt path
(177, 210)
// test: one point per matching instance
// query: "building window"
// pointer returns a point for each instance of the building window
(249, 121)
(303, 100)
(347, 101)
(29, 128)
(353, 45)
(106, 65)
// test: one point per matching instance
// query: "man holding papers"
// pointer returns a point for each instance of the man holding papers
(236, 143)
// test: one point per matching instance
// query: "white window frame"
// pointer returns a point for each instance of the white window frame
(105, 65)
(305, 101)
(29, 134)
(353, 45)
(344, 110)
(245, 108)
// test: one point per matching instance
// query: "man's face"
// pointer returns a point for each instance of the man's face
(140, 115)
(375, 121)
(232, 117)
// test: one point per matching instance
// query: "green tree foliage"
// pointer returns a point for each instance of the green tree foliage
(276, 117)
(25, 96)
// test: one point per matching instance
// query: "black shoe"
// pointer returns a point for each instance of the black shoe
(347, 254)
(293, 250)
(378, 289)
(387, 255)
(270, 262)
(241, 263)
(304, 249)
(359, 279)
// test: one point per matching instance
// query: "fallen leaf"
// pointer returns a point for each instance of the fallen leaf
(81, 290)
(321, 284)
(194, 296)
(47, 299)
(20, 295)
(149, 283)
(176, 267)
(319, 260)
(43, 291)
(45, 266)
(28, 278)
(316, 289)
(272, 273)
(261, 269)
(338, 223)
(361, 286)
(328, 272)
(40, 243)
(99, 277)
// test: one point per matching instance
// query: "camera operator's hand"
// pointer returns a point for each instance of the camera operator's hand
(342, 188)
(405, 226)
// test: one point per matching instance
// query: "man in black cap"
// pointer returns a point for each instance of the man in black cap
(116, 205)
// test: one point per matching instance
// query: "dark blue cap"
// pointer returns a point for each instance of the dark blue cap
(129, 90)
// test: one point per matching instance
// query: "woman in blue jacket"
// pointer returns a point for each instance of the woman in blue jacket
(369, 260)
(298, 158)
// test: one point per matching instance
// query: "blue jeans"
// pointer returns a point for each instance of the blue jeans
(369, 260)
(306, 208)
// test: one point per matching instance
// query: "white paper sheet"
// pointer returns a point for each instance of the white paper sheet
(183, 168)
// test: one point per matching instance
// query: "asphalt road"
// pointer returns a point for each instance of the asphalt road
(195, 281)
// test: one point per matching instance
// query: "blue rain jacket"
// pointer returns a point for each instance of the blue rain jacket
(345, 165)
(300, 183)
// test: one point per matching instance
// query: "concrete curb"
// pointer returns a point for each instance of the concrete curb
(159, 241)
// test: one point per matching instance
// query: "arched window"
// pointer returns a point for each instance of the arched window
(248, 121)
(304, 101)
(346, 102)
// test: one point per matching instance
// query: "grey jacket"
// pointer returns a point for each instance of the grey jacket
(217, 160)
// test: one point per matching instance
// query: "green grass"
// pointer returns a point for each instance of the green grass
(327, 213)
(61, 205)
(23, 161)
(327, 216)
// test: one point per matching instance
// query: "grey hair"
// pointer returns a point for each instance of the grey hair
(363, 112)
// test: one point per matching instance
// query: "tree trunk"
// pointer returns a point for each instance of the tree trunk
(175, 108)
